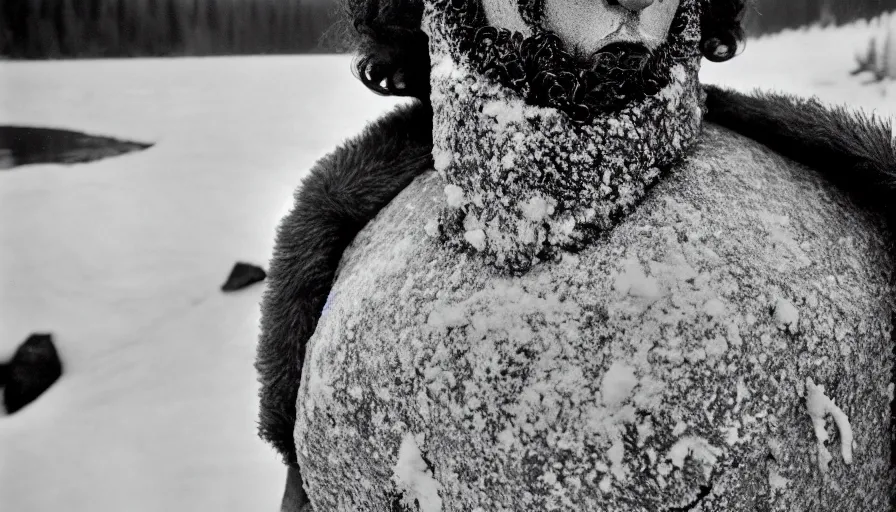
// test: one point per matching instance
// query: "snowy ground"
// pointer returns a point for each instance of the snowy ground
(812, 62)
(122, 259)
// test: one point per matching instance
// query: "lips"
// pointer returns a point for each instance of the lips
(626, 33)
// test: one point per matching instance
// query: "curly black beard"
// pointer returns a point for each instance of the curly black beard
(545, 73)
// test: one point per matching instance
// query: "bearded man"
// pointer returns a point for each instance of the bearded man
(577, 294)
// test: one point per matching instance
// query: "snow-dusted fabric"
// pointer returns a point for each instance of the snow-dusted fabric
(523, 180)
(851, 150)
(716, 350)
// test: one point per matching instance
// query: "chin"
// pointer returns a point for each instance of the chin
(621, 47)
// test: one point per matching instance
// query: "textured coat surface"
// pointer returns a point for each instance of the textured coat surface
(350, 186)
(669, 365)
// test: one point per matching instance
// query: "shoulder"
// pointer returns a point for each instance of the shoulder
(341, 193)
(852, 150)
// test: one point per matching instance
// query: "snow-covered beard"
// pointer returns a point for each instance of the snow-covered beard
(543, 71)
(524, 180)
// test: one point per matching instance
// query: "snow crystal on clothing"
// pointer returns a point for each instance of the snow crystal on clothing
(633, 281)
(537, 208)
(413, 477)
(432, 228)
(714, 308)
(441, 159)
(618, 383)
(454, 195)
(776, 480)
(508, 161)
(476, 238)
(696, 448)
(819, 406)
(786, 314)
(505, 112)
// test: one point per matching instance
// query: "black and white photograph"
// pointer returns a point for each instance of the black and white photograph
(448, 255)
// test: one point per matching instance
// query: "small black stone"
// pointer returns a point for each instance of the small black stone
(243, 275)
(33, 369)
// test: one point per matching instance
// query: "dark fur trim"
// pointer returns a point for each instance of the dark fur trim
(347, 189)
(853, 150)
(342, 192)
(294, 497)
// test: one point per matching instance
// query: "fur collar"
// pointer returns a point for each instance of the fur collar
(854, 150)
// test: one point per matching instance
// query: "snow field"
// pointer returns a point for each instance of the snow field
(122, 261)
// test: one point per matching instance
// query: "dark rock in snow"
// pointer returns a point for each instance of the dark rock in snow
(23, 145)
(243, 275)
(33, 369)
(4, 374)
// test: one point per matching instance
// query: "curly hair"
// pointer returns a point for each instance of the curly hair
(394, 54)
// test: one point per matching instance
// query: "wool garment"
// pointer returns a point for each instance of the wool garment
(524, 180)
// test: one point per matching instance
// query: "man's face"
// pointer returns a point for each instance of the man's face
(589, 25)
(583, 57)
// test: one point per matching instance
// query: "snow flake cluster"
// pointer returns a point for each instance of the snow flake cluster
(414, 478)
(819, 406)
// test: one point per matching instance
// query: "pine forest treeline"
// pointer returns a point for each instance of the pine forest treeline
(123, 28)
(769, 16)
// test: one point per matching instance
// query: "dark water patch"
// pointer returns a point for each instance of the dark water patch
(24, 145)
